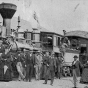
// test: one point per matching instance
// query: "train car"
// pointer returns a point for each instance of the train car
(78, 46)
(79, 41)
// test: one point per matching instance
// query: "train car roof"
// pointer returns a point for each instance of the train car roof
(82, 34)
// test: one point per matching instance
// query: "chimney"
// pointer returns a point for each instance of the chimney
(7, 11)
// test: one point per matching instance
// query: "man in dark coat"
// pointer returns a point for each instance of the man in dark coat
(29, 66)
(45, 63)
(76, 69)
(51, 67)
(37, 66)
(58, 63)
(20, 68)
(7, 66)
(77, 65)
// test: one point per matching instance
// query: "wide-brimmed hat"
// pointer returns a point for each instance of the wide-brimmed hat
(75, 56)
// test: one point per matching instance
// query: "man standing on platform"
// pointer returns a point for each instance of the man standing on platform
(29, 66)
(45, 64)
(37, 65)
(20, 68)
(51, 67)
(76, 70)
(59, 62)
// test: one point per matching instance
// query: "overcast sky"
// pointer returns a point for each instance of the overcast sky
(55, 15)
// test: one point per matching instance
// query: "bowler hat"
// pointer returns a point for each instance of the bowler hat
(75, 56)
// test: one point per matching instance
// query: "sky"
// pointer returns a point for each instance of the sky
(54, 15)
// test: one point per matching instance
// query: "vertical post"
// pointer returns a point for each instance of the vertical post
(18, 25)
(18, 22)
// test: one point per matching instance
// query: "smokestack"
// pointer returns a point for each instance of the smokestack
(7, 11)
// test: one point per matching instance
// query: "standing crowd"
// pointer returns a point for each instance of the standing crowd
(24, 65)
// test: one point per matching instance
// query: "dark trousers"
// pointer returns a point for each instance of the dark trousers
(29, 72)
(51, 73)
(58, 72)
(74, 78)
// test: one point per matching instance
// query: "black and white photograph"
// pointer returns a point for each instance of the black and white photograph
(43, 43)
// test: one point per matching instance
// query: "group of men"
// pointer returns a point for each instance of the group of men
(41, 65)
(29, 64)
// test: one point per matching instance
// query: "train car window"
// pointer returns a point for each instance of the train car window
(83, 50)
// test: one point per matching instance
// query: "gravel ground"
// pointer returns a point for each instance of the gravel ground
(62, 83)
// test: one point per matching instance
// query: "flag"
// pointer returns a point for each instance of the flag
(35, 17)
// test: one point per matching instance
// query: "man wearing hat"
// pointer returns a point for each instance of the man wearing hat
(45, 63)
(20, 67)
(58, 63)
(76, 69)
(29, 66)
(38, 62)
(51, 67)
